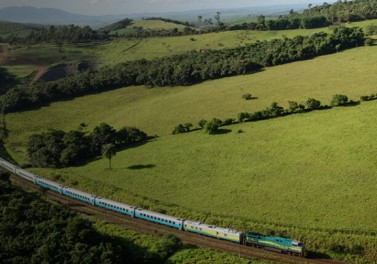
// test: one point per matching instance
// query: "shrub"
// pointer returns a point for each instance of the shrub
(228, 121)
(246, 96)
(202, 123)
(313, 104)
(339, 99)
(213, 126)
(179, 129)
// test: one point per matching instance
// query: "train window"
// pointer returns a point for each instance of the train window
(225, 235)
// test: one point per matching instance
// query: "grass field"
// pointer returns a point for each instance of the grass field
(310, 155)
(305, 173)
(121, 50)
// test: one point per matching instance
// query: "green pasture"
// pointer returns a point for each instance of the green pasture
(121, 50)
(21, 71)
(309, 170)
(313, 173)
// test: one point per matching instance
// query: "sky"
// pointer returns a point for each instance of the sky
(106, 7)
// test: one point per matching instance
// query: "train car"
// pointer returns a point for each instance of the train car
(79, 195)
(18, 171)
(49, 184)
(159, 218)
(7, 165)
(115, 206)
(279, 244)
(213, 231)
(26, 175)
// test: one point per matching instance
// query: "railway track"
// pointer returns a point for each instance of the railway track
(156, 229)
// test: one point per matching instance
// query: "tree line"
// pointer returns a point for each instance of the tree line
(186, 69)
(273, 111)
(56, 148)
(57, 34)
(316, 16)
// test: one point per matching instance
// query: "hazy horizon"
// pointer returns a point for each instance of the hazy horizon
(113, 7)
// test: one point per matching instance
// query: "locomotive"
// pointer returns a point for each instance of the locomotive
(279, 244)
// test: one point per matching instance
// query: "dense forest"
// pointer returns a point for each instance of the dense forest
(35, 231)
(190, 68)
(57, 148)
(59, 35)
(317, 16)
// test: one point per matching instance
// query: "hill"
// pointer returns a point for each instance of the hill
(7, 27)
(297, 174)
(52, 16)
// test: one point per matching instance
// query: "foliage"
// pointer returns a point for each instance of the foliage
(339, 99)
(57, 148)
(212, 126)
(313, 104)
(182, 128)
(58, 35)
(34, 231)
(109, 151)
(169, 245)
(317, 16)
(186, 69)
(7, 80)
(246, 96)
(117, 25)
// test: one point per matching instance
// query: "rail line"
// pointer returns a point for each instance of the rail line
(156, 229)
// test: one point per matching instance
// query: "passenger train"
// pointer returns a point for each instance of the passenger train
(280, 244)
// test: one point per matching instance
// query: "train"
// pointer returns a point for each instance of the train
(278, 244)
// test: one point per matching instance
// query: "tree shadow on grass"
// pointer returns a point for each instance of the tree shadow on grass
(317, 255)
(141, 166)
(222, 131)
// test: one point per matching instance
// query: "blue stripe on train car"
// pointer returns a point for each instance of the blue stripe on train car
(79, 197)
(175, 224)
(49, 186)
(116, 209)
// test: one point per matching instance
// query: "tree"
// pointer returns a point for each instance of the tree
(246, 96)
(313, 104)
(199, 20)
(213, 126)
(339, 99)
(109, 151)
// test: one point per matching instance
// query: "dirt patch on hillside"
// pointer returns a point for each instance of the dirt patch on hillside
(40, 71)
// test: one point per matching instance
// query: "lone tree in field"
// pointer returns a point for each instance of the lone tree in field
(109, 151)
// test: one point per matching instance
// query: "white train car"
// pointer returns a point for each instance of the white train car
(49, 184)
(26, 175)
(115, 206)
(213, 231)
(7, 165)
(159, 218)
(82, 196)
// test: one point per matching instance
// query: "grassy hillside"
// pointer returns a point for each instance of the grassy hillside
(17, 28)
(312, 154)
(121, 50)
(309, 175)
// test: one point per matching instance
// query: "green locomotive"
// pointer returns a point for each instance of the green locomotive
(278, 244)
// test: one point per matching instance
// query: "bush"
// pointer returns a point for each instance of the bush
(313, 104)
(246, 96)
(339, 99)
(202, 123)
(213, 126)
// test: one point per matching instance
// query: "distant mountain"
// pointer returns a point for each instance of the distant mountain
(52, 16)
